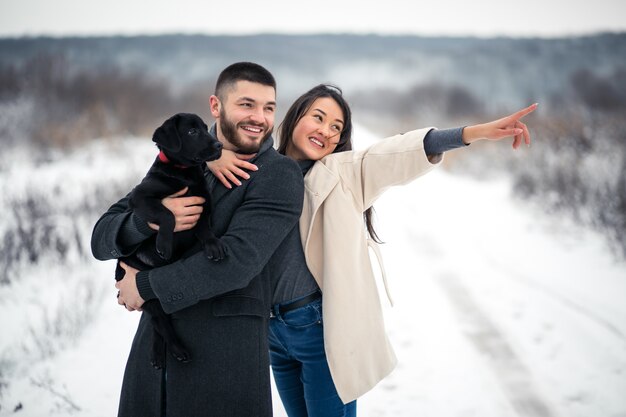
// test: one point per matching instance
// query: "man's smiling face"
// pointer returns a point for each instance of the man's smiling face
(245, 116)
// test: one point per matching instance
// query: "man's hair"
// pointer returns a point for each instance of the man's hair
(242, 71)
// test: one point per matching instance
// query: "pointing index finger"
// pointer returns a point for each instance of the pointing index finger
(524, 112)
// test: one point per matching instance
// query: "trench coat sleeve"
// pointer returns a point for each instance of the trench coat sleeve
(118, 232)
(271, 208)
(392, 161)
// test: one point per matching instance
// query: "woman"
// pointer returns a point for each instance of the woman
(322, 363)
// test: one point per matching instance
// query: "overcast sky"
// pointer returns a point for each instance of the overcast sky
(435, 17)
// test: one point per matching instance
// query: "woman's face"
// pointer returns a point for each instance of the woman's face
(318, 131)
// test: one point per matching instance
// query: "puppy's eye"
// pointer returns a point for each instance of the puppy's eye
(192, 132)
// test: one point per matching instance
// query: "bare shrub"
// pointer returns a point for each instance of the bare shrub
(63, 400)
(32, 231)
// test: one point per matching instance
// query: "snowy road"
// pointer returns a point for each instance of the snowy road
(500, 311)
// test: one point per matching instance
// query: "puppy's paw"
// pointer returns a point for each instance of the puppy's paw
(164, 245)
(164, 253)
(214, 250)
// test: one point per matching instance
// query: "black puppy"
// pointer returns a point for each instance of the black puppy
(185, 144)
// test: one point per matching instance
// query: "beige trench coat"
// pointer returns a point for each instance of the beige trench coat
(338, 189)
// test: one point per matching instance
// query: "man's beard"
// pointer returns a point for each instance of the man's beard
(229, 130)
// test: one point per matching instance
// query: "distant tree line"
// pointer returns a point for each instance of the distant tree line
(51, 103)
(578, 164)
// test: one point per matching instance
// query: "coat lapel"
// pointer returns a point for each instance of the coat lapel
(320, 180)
(318, 184)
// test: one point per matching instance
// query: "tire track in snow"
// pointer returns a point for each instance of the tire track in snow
(514, 377)
(511, 273)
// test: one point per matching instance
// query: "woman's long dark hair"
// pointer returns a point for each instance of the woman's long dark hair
(297, 111)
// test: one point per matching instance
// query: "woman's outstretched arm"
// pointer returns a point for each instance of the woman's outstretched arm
(502, 128)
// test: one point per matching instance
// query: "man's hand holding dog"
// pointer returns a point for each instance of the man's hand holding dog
(186, 210)
(128, 292)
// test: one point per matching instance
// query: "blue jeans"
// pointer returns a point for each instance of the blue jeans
(299, 365)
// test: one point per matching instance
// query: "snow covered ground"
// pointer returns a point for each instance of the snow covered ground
(500, 310)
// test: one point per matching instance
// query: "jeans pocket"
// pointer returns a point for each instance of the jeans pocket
(305, 316)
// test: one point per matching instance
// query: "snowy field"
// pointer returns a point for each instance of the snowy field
(500, 309)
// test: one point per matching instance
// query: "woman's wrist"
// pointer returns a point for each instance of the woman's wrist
(472, 134)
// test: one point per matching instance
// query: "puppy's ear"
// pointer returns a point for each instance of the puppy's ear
(166, 135)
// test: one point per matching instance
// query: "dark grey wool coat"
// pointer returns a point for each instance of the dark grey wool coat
(219, 309)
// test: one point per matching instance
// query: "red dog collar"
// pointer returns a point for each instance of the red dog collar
(163, 158)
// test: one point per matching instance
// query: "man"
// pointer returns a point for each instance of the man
(219, 309)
